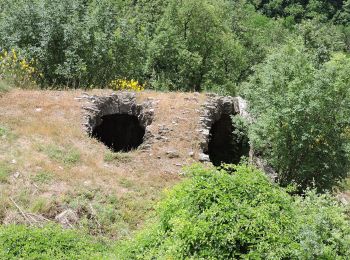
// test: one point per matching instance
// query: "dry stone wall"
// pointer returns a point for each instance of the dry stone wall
(212, 111)
(117, 103)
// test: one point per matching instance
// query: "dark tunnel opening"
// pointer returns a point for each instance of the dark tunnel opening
(224, 145)
(120, 132)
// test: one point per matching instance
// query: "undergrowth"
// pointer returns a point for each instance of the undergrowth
(231, 213)
(50, 242)
(234, 215)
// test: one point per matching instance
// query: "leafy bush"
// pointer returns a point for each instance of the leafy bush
(299, 9)
(186, 45)
(16, 70)
(231, 215)
(50, 242)
(302, 113)
(43, 177)
(75, 42)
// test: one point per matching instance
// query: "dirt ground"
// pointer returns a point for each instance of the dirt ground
(48, 164)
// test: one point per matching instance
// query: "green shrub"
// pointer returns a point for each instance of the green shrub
(302, 114)
(232, 215)
(74, 42)
(16, 71)
(50, 242)
(171, 44)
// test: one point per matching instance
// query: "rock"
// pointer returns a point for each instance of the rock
(145, 147)
(344, 198)
(67, 218)
(191, 154)
(204, 157)
(172, 154)
(215, 107)
(87, 183)
(162, 138)
(116, 103)
(16, 175)
(344, 201)
(163, 130)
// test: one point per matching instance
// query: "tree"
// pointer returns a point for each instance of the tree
(76, 43)
(300, 9)
(302, 113)
(194, 46)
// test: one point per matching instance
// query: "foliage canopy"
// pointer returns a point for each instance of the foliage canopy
(302, 116)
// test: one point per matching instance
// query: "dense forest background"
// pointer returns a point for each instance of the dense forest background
(169, 45)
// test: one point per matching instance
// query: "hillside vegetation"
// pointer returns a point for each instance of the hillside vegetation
(212, 215)
(290, 59)
(171, 44)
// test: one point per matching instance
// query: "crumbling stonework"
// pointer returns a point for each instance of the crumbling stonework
(212, 111)
(118, 103)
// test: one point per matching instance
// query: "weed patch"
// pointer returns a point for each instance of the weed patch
(3, 87)
(220, 214)
(50, 242)
(68, 156)
(4, 204)
(100, 213)
(43, 177)
(6, 134)
(117, 157)
(41, 206)
(126, 183)
(4, 172)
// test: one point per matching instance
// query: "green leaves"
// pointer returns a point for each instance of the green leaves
(73, 42)
(301, 111)
(50, 242)
(194, 48)
(188, 45)
(220, 215)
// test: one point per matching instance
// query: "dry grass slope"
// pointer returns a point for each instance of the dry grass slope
(48, 164)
